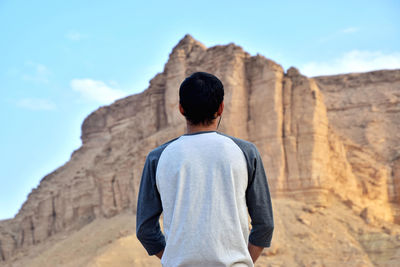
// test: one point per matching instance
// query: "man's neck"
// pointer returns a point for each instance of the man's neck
(192, 128)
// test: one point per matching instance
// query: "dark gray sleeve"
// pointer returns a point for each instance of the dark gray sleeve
(149, 209)
(258, 201)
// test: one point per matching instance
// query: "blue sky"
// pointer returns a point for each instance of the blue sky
(61, 60)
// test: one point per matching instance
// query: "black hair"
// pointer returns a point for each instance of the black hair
(200, 95)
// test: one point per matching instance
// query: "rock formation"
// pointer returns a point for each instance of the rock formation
(321, 139)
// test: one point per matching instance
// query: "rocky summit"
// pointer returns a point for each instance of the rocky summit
(330, 146)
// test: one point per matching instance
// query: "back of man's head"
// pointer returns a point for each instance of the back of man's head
(200, 96)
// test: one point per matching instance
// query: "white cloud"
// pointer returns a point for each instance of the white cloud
(353, 61)
(338, 34)
(75, 36)
(113, 83)
(97, 90)
(36, 72)
(350, 30)
(36, 104)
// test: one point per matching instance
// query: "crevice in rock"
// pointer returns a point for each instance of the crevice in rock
(113, 191)
(395, 185)
(296, 132)
(158, 116)
(53, 217)
(286, 172)
(32, 228)
(119, 192)
(161, 113)
(249, 90)
(53, 206)
(2, 256)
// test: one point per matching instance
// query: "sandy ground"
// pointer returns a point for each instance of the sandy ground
(305, 235)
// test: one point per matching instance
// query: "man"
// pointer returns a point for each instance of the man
(205, 183)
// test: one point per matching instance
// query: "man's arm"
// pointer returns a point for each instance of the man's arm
(159, 254)
(255, 251)
(259, 205)
(149, 209)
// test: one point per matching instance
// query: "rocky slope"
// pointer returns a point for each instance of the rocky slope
(306, 235)
(324, 140)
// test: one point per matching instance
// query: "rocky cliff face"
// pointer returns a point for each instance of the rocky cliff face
(320, 138)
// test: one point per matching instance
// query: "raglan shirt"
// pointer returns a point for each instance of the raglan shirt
(205, 184)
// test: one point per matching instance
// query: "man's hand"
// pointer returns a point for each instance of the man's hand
(255, 251)
(159, 254)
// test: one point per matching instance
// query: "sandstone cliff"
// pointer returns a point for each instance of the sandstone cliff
(322, 139)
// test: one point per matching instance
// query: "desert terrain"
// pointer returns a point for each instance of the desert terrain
(330, 146)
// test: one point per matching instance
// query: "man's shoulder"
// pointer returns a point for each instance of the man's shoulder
(156, 152)
(246, 146)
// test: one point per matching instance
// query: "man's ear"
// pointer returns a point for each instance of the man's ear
(220, 109)
(181, 109)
